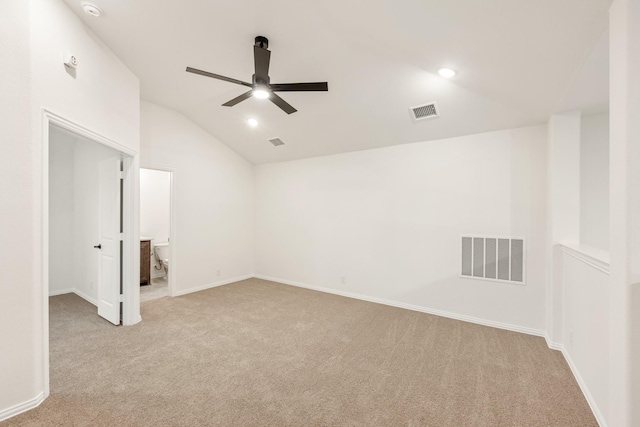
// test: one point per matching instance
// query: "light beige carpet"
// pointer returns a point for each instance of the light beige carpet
(258, 353)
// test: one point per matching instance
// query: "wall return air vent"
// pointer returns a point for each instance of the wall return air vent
(426, 111)
(276, 142)
(493, 258)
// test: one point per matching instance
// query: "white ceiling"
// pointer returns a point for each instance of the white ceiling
(516, 61)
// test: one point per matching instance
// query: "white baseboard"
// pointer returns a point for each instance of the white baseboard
(61, 292)
(551, 344)
(212, 285)
(22, 407)
(85, 297)
(583, 386)
(491, 323)
(74, 291)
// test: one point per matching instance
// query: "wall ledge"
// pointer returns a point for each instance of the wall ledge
(22, 407)
(595, 258)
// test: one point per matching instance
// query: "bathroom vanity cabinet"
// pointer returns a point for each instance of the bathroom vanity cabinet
(145, 262)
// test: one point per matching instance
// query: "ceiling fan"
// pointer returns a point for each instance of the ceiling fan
(261, 86)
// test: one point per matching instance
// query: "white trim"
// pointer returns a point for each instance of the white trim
(551, 344)
(44, 247)
(62, 292)
(597, 261)
(22, 407)
(131, 247)
(173, 230)
(85, 297)
(585, 390)
(476, 320)
(57, 120)
(213, 285)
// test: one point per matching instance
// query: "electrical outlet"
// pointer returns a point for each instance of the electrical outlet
(217, 272)
(343, 279)
(91, 285)
(570, 337)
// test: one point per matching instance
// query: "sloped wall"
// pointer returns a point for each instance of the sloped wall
(213, 199)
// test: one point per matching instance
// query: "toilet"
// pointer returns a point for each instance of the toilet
(161, 254)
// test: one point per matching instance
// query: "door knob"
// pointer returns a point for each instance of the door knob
(98, 246)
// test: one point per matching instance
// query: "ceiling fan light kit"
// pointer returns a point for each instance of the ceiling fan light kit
(260, 92)
(447, 73)
(261, 86)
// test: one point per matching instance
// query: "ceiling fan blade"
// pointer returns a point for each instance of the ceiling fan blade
(237, 99)
(300, 87)
(261, 59)
(217, 76)
(284, 105)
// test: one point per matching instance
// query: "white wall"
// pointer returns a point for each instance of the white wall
(155, 209)
(21, 301)
(563, 208)
(594, 181)
(624, 189)
(578, 281)
(103, 96)
(585, 282)
(577, 317)
(390, 220)
(155, 194)
(61, 221)
(564, 174)
(213, 193)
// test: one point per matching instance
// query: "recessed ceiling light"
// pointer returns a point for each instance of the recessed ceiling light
(447, 73)
(252, 122)
(91, 9)
(260, 93)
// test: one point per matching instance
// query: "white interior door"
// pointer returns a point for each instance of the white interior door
(109, 224)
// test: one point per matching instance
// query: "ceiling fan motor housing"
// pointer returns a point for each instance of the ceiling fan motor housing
(262, 42)
(260, 82)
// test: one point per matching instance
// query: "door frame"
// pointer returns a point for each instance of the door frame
(131, 246)
(172, 222)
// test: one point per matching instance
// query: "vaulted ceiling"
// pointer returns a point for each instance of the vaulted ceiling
(517, 62)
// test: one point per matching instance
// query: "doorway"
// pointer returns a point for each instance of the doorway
(157, 263)
(85, 221)
(128, 297)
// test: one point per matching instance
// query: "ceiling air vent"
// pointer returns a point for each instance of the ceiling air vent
(426, 111)
(276, 141)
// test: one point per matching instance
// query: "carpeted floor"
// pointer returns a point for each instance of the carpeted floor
(258, 353)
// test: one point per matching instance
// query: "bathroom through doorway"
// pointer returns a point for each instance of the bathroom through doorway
(156, 242)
